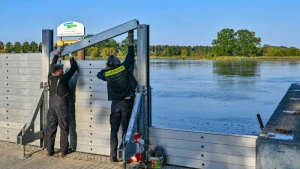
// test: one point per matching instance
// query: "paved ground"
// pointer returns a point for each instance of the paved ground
(10, 153)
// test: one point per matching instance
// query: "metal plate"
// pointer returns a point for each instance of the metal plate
(82, 87)
(92, 118)
(18, 64)
(13, 125)
(21, 71)
(93, 103)
(236, 140)
(19, 92)
(180, 161)
(16, 112)
(21, 78)
(204, 146)
(208, 156)
(92, 126)
(9, 131)
(12, 118)
(91, 95)
(87, 64)
(90, 80)
(16, 105)
(98, 111)
(19, 85)
(20, 56)
(15, 98)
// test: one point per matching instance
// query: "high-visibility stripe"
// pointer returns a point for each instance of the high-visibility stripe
(115, 71)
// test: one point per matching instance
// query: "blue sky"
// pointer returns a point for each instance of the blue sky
(172, 22)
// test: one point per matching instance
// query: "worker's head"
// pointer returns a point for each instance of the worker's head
(113, 61)
(57, 69)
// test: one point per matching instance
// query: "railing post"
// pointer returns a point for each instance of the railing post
(47, 47)
(143, 78)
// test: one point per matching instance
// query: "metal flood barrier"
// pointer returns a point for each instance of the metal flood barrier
(24, 94)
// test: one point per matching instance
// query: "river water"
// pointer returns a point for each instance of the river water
(218, 96)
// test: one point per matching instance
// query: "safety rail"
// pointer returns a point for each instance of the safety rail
(127, 148)
(27, 133)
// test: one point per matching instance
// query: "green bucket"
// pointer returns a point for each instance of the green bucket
(156, 162)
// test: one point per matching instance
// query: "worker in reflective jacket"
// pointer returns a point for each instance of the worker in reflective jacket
(59, 103)
(121, 86)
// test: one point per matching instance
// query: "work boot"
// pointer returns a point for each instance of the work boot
(71, 150)
(50, 153)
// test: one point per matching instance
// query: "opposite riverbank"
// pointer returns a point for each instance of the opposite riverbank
(212, 58)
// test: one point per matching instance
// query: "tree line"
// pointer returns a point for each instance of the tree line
(227, 43)
(17, 47)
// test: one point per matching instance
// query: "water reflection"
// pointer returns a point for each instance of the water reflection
(172, 64)
(242, 68)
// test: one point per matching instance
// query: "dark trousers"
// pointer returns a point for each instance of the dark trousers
(120, 112)
(58, 115)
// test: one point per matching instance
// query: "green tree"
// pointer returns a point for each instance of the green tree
(40, 47)
(240, 43)
(17, 47)
(246, 44)
(93, 52)
(124, 46)
(25, 47)
(225, 42)
(184, 52)
(1, 45)
(107, 51)
(8, 47)
(293, 51)
(33, 46)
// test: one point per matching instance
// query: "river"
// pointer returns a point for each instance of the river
(218, 96)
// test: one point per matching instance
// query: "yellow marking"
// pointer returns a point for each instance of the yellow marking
(114, 71)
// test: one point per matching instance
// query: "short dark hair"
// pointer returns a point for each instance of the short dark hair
(112, 61)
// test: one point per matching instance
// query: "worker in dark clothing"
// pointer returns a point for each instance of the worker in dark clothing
(120, 88)
(58, 104)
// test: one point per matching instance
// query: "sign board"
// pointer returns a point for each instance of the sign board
(70, 28)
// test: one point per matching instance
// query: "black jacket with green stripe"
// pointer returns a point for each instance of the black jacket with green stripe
(120, 80)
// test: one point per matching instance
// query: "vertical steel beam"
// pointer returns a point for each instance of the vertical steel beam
(47, 47)
(143, 77)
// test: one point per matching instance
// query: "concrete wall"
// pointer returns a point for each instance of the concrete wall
(282, 152)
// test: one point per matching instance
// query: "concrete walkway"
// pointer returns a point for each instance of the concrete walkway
(10, 153)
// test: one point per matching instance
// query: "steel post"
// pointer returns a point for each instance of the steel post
(143, 78)
(47, 47)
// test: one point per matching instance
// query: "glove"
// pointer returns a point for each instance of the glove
(70, 55)
(130, 37)
(60, 49)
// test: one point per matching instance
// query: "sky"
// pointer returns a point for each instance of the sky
(172, 22)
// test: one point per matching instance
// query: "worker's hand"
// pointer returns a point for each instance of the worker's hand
(131, 37)
(70, 56)
(59, 50)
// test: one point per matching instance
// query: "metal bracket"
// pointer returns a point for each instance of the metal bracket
(142, 89)
(127, 148)
(45, 86)
(27, 134)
